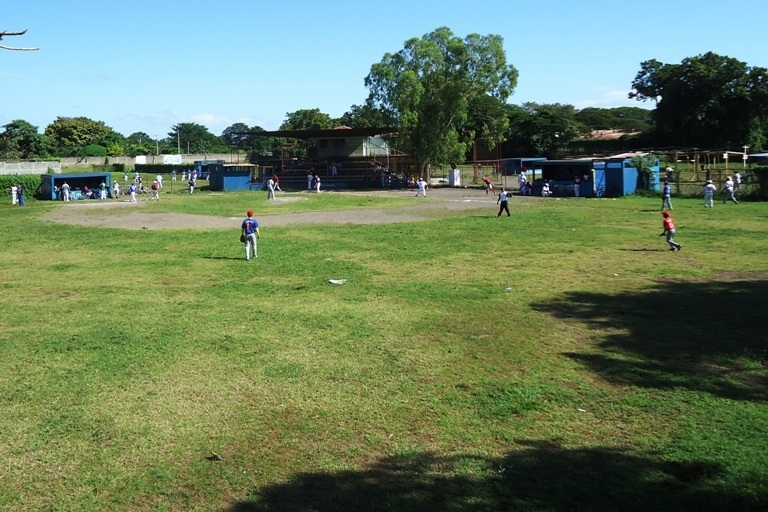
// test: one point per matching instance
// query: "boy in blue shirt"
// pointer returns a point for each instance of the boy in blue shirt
(250, 229)
(666, 197)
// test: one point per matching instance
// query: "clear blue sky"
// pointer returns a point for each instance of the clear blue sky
(144, 65)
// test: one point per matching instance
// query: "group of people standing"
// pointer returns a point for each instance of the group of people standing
(17, 194)
(526, 187)
(729, 192)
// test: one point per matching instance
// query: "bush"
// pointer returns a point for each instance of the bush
(30, 182)
(160, 168)
(756, 181)
(94, 150)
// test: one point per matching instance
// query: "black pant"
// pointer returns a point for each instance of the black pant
(504, 207)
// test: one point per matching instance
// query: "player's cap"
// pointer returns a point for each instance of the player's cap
(250, 213)
(709, 181)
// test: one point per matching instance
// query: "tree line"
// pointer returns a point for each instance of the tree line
(534, 127)
(443, 95)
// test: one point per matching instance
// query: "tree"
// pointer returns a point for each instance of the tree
(196, 138)
(307, 119)
(629, 119)
(263, 145)
(74, 132)
(114, 142)
(428, 87)
(21, 140)
(596, 118)
(139, 143)
(303, 119)
(486, 120)
(542, 129)
(707, 101)
(366, 116)
(240, 137)
(644, 166)
(237, 136)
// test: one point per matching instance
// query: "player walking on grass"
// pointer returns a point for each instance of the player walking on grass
(251, 233)
(728, 193)
(669, 230)
(709, 194)
(503, 202)
(666, 197)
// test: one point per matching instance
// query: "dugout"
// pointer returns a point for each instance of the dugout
(224, 177)
(517, 165)
(51, 183)
(598, 177)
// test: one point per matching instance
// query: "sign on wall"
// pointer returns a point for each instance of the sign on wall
(172, 159)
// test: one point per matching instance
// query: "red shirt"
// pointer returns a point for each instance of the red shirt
(669, 224)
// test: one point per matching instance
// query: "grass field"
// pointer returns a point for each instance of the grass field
(559, 360)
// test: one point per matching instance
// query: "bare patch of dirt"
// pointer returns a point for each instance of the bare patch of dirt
(131, 215)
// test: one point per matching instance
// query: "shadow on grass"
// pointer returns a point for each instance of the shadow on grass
(541, 476)
(701, 336)
(224, 258)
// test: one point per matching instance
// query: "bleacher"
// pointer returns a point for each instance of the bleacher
(350, 173)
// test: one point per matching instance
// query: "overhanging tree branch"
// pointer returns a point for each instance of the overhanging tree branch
(15, 48)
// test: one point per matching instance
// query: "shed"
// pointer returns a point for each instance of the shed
(231, 176)
(613, 176)
(51, 183)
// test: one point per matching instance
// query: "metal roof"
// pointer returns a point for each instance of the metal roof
(336, 133)
(76, 175)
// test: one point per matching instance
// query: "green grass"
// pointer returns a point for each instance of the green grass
(614, 375)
